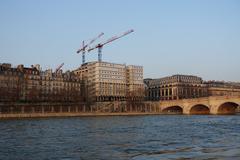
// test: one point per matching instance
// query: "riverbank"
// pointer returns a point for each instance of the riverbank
(34, 110)
(44, 115)
(219, 105)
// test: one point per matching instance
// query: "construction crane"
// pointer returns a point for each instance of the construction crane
(100, 45)
(84, 46)
(58, 68)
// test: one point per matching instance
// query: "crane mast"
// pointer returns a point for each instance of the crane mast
(84, 46)
(100, 45)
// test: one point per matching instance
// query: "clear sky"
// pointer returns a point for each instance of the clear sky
(199, 37)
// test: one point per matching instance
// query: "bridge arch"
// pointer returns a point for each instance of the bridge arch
(173, 109)
(227, 108)
(199, 109)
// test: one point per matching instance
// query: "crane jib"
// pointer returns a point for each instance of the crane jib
(100, 45)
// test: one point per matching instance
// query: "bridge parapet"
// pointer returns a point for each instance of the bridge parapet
(207, 105)
(211, 105)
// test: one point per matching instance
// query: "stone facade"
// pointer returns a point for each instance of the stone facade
(187, 86)
(221, 88)
(175, 87)
(106, 81)
(30, 84)
(11, 83)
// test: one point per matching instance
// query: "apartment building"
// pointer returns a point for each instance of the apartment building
(30, 84)
(10, 80)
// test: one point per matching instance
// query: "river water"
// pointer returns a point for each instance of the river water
(122, 138)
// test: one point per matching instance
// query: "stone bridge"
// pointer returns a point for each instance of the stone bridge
(205, 105)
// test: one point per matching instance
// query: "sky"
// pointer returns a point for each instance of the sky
(196, 37)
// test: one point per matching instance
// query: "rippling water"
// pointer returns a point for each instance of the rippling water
(133, 137)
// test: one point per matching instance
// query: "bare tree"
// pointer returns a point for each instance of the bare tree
(135, 98)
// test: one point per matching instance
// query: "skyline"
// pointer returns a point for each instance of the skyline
(187, 37)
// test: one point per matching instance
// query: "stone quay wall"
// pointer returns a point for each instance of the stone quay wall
(27, 110)
(207, 105)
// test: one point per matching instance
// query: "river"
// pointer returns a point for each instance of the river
(121, 138)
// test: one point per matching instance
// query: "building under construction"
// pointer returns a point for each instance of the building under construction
(106, 81)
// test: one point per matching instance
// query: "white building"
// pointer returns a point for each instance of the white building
(110, 81)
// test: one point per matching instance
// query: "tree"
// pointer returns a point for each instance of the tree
(135, 98)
